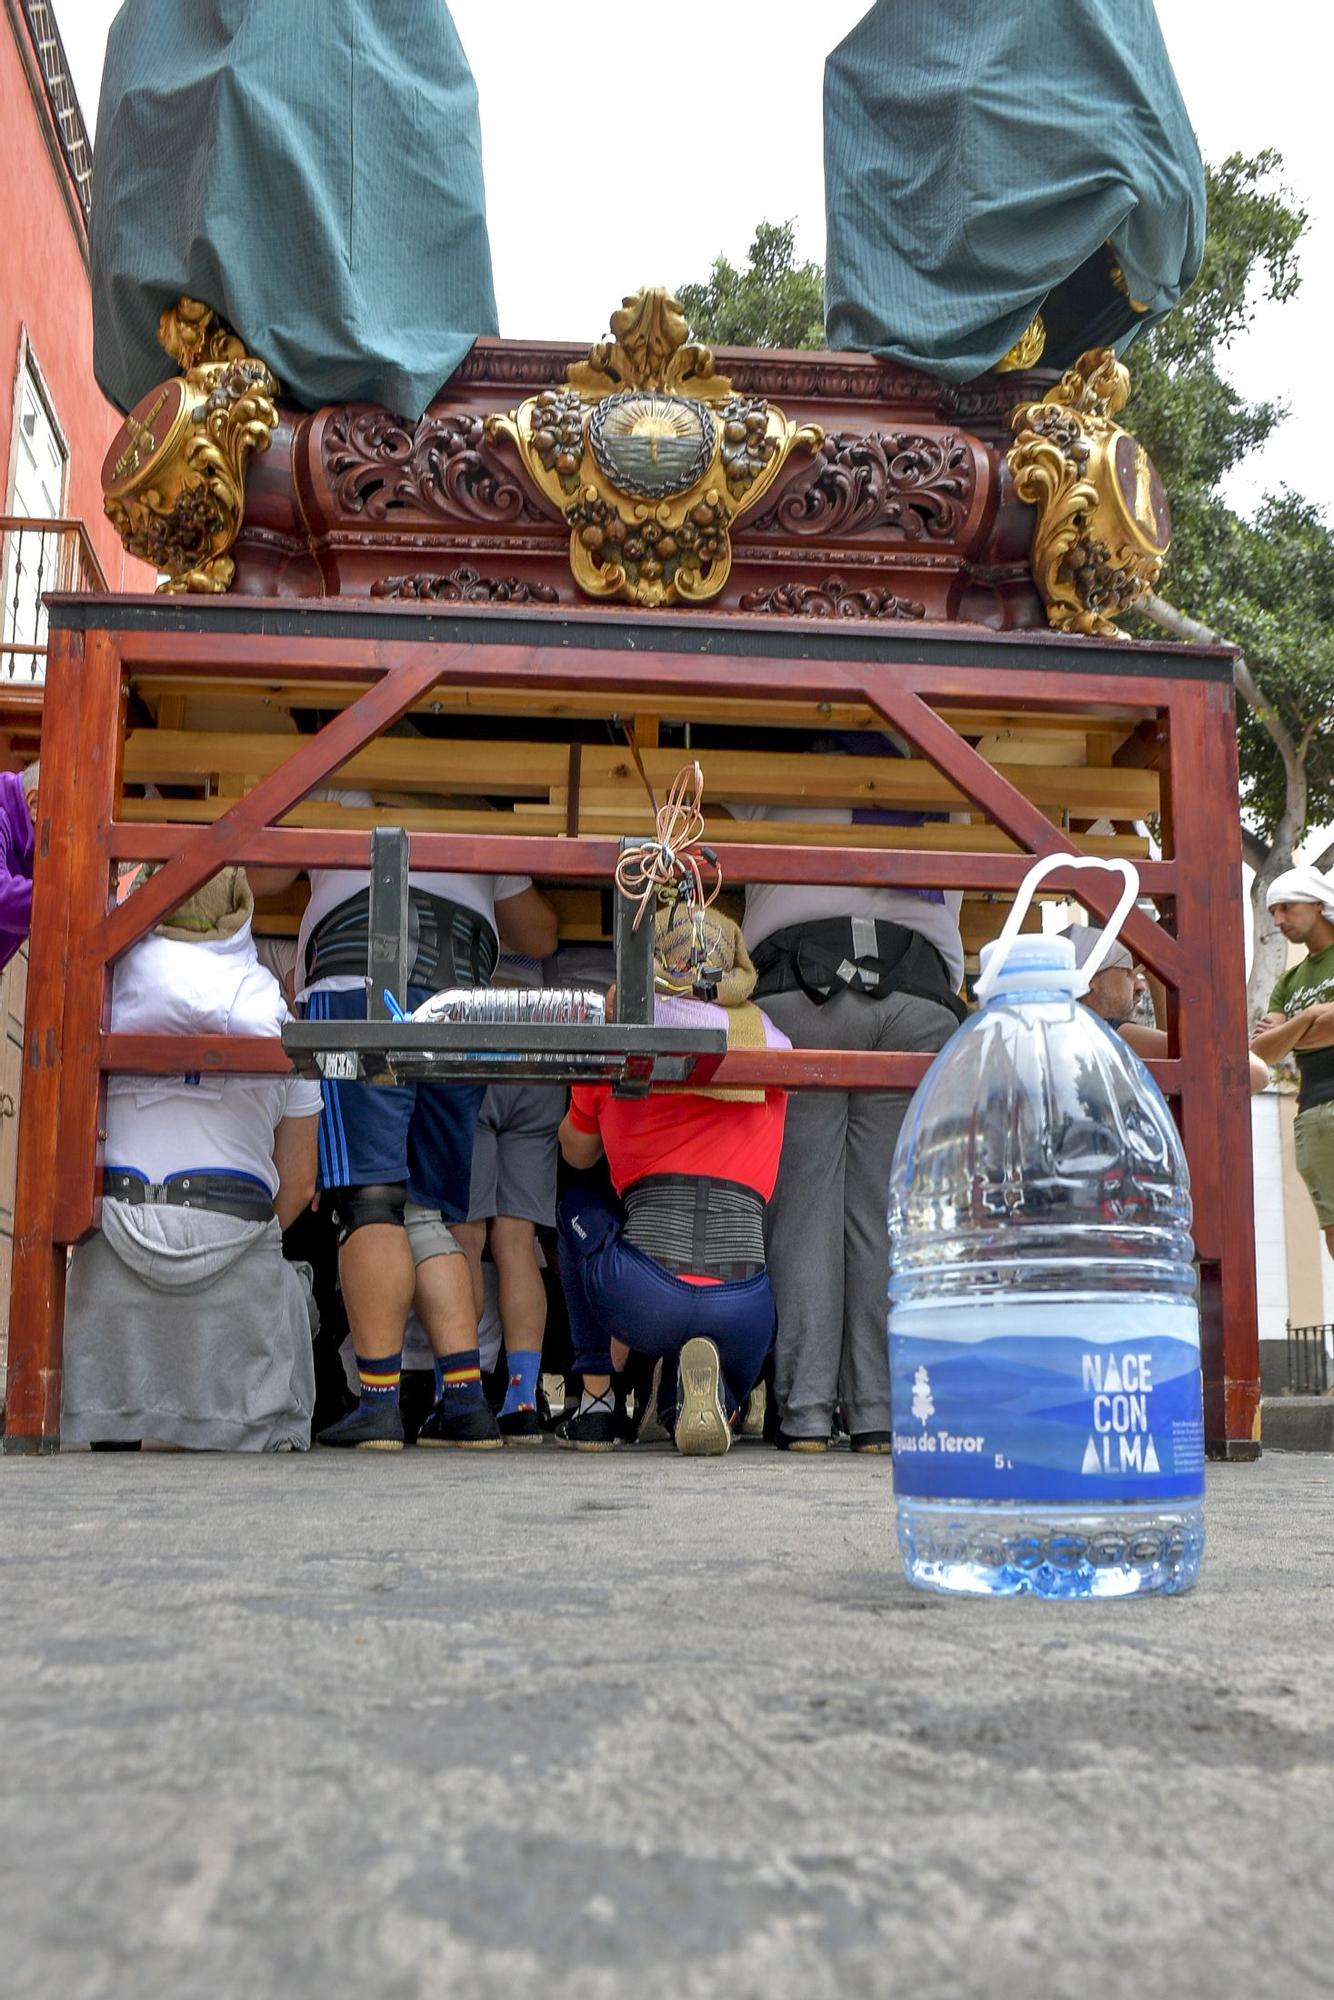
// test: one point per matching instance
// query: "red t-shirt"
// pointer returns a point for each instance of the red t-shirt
(680, 1132)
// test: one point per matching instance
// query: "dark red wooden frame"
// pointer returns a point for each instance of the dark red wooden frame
(400, 654)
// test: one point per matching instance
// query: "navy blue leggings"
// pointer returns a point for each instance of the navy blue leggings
(611, 1288)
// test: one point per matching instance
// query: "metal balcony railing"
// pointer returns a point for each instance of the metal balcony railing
(1309, 1367)
(37, 556)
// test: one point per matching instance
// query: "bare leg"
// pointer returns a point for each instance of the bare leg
(376, 1270)
(471, 1239)
(445, 1304)
(620, 1354)
(523, 1299)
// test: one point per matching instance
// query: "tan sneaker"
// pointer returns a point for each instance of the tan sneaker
(701, 1424)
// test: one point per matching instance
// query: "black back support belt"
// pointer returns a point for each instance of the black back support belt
(856, 955)
(225, 1194)
(448, 944)
(691, 1222)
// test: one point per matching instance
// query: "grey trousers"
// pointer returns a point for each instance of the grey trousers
(828, 1240)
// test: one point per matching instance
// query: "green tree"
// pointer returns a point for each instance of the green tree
(774, 302)
(1264, 583)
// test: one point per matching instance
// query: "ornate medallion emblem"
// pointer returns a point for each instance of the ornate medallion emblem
(173, 482)
(651, 457)
(651, 445)
(1103, 525)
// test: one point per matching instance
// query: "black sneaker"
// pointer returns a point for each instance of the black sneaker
(589, 1430)
(521, 1426)
(702, 1429)
(368, 1428)
(470, 1429)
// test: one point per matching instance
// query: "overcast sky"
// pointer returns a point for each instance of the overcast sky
(655, 179)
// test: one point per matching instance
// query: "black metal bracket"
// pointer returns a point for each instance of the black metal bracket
(634, 953)
(614, 1052)
(387, 953)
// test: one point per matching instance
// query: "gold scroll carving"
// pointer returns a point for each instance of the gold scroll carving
(1027, 350)
(173, 483)
(651, 456)
(1103, 525)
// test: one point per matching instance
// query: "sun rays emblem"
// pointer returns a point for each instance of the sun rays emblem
(649, 444)
(651, 456)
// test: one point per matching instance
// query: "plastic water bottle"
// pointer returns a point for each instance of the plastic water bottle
(1044, 1329)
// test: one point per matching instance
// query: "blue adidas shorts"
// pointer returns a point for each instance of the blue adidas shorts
(421, 1133)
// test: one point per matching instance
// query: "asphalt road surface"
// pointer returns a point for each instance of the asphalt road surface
(535, 1723)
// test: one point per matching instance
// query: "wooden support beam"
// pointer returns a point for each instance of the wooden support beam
(538, 821)
(568, 704)
(58, 1151)
(518, 770)
(819, 1069)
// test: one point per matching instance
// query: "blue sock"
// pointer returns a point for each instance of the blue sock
(379, 1379)
(459, 1379)
(522, 1391)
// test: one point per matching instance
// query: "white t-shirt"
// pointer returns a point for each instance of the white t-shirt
(772, 906)
(220, 1124)
(331, 886)
(162, 1125)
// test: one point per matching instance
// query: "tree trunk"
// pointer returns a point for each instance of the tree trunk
(1269, 949)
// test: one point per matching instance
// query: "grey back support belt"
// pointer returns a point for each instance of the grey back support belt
(448, 944)
(691, 1222)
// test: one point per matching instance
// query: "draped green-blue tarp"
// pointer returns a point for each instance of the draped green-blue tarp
(312, 169)
(979, 155)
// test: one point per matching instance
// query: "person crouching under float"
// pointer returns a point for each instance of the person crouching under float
(677, 1267)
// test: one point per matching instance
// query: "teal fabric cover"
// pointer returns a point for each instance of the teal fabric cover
(979, 154)
(310, 168)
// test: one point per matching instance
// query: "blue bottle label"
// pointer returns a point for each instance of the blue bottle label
(1050, 1400)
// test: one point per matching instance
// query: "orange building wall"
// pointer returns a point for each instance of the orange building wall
(44, 287)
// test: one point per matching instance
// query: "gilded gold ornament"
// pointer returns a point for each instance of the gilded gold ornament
(1103, 525)
(173, 482)
(651, 457)
(1027, 350)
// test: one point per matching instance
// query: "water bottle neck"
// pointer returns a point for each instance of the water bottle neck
(1035, 968)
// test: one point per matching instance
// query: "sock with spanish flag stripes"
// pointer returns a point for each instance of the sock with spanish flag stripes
(458, 1379)
(379, 1379)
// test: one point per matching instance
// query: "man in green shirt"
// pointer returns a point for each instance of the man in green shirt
(1300, 1019)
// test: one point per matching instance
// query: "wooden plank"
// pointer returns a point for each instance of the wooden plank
(514, 770)
(538, 821)
(569, 704)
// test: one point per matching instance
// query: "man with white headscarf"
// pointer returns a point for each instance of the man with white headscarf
(1300, 1020)
(1111, 996)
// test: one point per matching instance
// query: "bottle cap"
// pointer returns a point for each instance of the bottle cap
(1043, 964)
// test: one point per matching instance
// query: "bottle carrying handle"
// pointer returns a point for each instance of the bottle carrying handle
(986, 981)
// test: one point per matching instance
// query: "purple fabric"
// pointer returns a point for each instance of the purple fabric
(672, 1010)
(16, 853)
